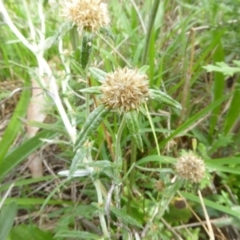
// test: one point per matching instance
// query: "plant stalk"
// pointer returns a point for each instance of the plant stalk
(149, 30)
(118, 162)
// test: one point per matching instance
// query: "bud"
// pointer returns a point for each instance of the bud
(190, 167)
(125, 89)
(88, 15)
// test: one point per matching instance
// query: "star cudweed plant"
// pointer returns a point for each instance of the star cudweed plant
(124, 91)
(89, 17)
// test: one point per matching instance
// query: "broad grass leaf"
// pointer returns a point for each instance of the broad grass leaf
(20, 153)
(29, 232)
(7, 215)
(34, 201)
(218, 87)
(233, 110)
(192, 120)
(15, 125)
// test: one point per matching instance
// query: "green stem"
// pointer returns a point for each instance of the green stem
(152, 127)
(85, 56)
(118, 161)
(118, 156)
(149, 29)
(103, 223)
(131, 176)
(133, 161)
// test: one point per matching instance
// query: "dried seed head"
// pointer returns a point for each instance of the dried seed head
(190, 167)
(86, 14)
(125, 89)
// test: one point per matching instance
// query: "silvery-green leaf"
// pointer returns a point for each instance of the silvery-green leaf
(74, 37)
(104, 166)
(143, 69)
(91, 90)
(224, 68)
(55, 141)
(107, 32)
(93, 121)
(77, 159)
(126, 218)
(62, 30)
(162, 97)
(77, 173)
(98, 74)
(133, 126)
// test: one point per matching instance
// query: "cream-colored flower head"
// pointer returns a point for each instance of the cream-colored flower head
(87, 14)
(125, 89)
(190, 167)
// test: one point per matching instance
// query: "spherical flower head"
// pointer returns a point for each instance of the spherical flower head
(190, 167)
(125, 89)
(89, 15)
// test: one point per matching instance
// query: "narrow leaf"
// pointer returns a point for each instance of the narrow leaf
(162, 97)
(76, 235)
(91, 124)
(133, 126)
(211, 204)
(125, 217)
(98, 74)
(78, 158)
(91, 90)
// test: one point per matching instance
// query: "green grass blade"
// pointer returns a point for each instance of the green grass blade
(7, 215)
(218, 87)
(233, 111)
(30, 232)
(211, 204)
(15, 125)
(193, 120)
(35, 201)
(20, 153)
(24, 182)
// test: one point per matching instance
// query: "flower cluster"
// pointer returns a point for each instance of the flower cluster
(125, 89)
(88, 15)
(190, 167)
